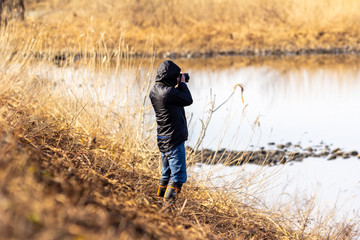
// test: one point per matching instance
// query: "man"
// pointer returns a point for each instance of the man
(169, 96)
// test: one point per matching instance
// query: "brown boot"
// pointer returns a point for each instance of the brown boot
(162, 188)
(172, 190)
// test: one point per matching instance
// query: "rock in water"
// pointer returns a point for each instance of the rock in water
(280, 146)
(324, 153)
(339, 153)
(354, 153)
(335, 150)
(310, 149)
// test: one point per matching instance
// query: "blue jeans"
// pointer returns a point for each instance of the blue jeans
(174, 165)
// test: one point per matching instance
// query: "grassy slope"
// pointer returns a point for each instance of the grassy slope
(53, 186)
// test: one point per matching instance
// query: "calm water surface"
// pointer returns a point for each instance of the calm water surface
(307, 106)
(303, 105)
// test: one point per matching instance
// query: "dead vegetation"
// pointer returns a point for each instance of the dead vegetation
(73, 166)
(196, 28)
(53, 187)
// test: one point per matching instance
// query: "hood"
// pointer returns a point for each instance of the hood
(168, 72)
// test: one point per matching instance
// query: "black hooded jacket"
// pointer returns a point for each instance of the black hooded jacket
(168, 102)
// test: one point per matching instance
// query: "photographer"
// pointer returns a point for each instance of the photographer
(169, 96)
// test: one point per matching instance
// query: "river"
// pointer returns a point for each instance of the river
(307, 105)
(303, 105)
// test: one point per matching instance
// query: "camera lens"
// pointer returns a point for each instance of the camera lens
(187, 77)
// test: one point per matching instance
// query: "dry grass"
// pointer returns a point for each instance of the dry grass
(74, 164)
(195, 27)
(54, 187)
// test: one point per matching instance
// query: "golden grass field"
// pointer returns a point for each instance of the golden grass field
(196, 28)
(75, 167)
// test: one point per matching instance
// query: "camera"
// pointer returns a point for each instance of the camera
(186, 76)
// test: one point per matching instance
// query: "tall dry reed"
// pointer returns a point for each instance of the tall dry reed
(201, 26)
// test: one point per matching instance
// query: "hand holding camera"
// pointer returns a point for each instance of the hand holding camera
(184, 77)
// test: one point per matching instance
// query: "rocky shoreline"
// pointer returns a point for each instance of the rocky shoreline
(273, 155)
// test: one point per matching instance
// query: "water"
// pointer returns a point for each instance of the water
(302, 105)
(307, 106)
(331, 184)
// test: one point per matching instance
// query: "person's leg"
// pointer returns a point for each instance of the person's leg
(178, 176)
(165, 176)
(177, 164)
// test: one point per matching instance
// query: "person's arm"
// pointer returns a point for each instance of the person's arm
(180, 96)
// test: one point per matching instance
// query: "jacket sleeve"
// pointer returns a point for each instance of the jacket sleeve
(180, 96)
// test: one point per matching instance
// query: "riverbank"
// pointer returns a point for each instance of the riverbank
(315, 57)
(57, 181)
